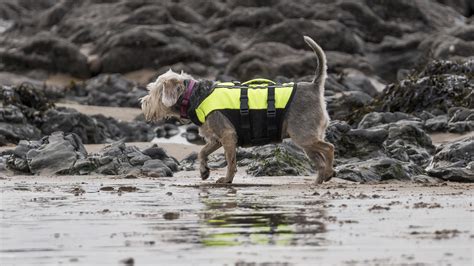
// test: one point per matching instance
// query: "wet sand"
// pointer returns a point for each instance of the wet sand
(93, 220)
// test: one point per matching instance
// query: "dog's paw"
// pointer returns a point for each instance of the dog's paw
(329, 174)
(319, 180)
(205, 172)
(223, 180)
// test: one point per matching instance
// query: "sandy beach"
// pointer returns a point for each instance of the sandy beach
(94, 220)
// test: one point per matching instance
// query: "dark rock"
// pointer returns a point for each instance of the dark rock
(144, 46)
(454, 161)
(248, 17)
(276, 160)
(56, 155)
(436, 124)
(135, 131)
(192, 135)
(155, 152)
(460, 120)
(156, 168)
(408, 143)
(166, 130)
(375, 119)
(378, 169)
(343, 105)
(432, 89)
(359, 143)
(69, 120)
(108, 90)
(188, 163)
(271, 59)
(45, 51)
(332, 35)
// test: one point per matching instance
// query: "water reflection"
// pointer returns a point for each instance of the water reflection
(231, 219)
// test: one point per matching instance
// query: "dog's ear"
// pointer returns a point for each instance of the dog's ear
(172, 88)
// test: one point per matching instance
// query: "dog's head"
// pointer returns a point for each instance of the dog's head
(163, 95)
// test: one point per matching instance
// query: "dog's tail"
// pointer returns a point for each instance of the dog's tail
(322, 68)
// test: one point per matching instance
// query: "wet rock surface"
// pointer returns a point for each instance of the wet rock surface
(454, 161)
(63, 154)
(28, 114)
(107, 90)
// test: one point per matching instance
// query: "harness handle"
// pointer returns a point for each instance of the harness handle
(259, 81)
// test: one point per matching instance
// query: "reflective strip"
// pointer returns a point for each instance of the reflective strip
(225, 98)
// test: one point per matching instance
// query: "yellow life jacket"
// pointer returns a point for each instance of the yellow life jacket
(256, 108)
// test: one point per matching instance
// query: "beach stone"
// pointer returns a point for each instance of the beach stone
(188, 163)
(107, 90)
(56, 155)
(378, 169)
(454, 161)
(380, 118)
(49, 52)
(156, 168)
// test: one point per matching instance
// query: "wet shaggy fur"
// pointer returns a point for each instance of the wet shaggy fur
(305, 122)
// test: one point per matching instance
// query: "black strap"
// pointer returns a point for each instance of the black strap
(272, 128)
(244, 117)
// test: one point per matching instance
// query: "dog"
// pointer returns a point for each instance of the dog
(305, 121)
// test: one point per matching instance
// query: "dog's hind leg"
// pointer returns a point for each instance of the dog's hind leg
(210, 147)
(229, 142)
(322, 155)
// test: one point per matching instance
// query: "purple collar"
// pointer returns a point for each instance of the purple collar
(185, 101)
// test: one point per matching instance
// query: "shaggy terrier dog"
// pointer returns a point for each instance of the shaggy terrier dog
(305, 121)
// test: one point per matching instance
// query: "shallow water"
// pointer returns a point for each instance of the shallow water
(167, 221)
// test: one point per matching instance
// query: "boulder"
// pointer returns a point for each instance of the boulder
(69, 120)
(332, 35)
(107, 90)
(376, 119)
(48, 52)
(56, 155)
(454, 161)
(378, 169)
(440, 86)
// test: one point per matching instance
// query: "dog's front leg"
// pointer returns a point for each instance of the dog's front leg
(229, 142)
(210, 147)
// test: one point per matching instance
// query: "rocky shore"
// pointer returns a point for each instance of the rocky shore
(398, 72)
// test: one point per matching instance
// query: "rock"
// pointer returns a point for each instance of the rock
(378, 169)
(426, 179)
(271, 59)
(156, 168)
(166, 130)
(144, 46)
(342, 106)
(440, 86)
(332, 35)
(254, 17)
(408, 143)
(192, 135)
(276, 160)
(69, 120)
(460, 120)
(188, 163)
(454, 161)
(436, 124)
(49, 52)
(375, 119)
(107, 90)
(14, 132)
(155, 152)
(135, 131)
(56, 155)
(359, 143)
